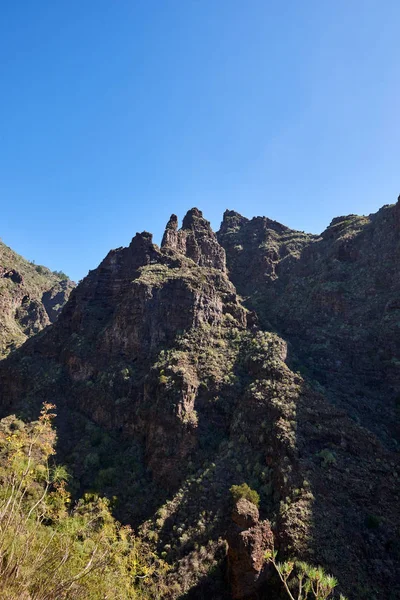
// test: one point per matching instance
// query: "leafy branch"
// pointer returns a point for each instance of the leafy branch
(303, 581)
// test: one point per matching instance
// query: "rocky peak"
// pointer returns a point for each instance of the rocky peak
(338, 287)
(194, 220)
(258, 226)
(125, 262)
(142, 251)
(245, 514)
(195, 239)
(172, 223)
(173, 239)
(337, 220)
(232, 221)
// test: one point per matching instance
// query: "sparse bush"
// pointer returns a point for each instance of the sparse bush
(302, 581)
(327, 457)
(41, 270)
(244, 491)
(61, 275)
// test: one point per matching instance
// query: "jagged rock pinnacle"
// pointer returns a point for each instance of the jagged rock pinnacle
(173, 222)
(195, 239)
(194, 219)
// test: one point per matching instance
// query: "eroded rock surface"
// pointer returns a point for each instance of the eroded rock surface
(31, 297)
(334, 297)
(196, 240)
(248, 540)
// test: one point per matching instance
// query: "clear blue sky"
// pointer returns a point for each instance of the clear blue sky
(116, 113)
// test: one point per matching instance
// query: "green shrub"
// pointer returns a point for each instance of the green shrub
(106, 477)
(92, 461)
(51, 548)
(245, 491)
(41, 270)
(302, 580)
(327, 458)
(60, 274)
(372, 521)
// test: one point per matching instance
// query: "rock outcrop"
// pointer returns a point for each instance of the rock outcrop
(334, 297)
(248, 540)
(196, 240)
(31, 297)
(121, 316)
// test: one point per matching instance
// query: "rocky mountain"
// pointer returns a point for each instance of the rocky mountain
(31, 297)
(171, 388)
(335, 297)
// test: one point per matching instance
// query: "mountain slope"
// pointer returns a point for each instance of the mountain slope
(169, 391)
(31, 297)
(335, 297)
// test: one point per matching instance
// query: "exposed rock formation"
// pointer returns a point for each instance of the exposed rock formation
(31, 297)
(196, 240)
(334, 297)
(54, 299)
(248, 539)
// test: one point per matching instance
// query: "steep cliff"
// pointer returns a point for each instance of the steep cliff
(335, 297)
(169, 391)
(31, 297)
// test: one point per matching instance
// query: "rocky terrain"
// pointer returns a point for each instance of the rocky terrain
(171, 387)
(31, 297)
(335, 297)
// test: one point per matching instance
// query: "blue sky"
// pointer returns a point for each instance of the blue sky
(114, 114)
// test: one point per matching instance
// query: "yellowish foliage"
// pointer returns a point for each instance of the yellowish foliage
(49, 550)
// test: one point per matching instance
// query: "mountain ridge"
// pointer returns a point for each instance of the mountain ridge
(31, 297)
(157, 355)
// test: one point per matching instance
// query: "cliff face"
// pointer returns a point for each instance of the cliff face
(169, 391)
(335, 297)
(31, 297)
(195, 240)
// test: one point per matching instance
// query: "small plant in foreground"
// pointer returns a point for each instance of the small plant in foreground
(303, 581)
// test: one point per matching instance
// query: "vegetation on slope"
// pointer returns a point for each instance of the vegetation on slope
(31, 296)
(49, 549)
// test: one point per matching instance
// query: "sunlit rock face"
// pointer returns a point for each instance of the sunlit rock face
(31, 297)
(196, 240)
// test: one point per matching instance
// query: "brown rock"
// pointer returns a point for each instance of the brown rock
(248, 540)
(196, 240)
(31, 297)
(328, 296)
(245, 514)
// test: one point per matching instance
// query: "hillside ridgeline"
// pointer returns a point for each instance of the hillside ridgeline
(31, 297)
(170, 389)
